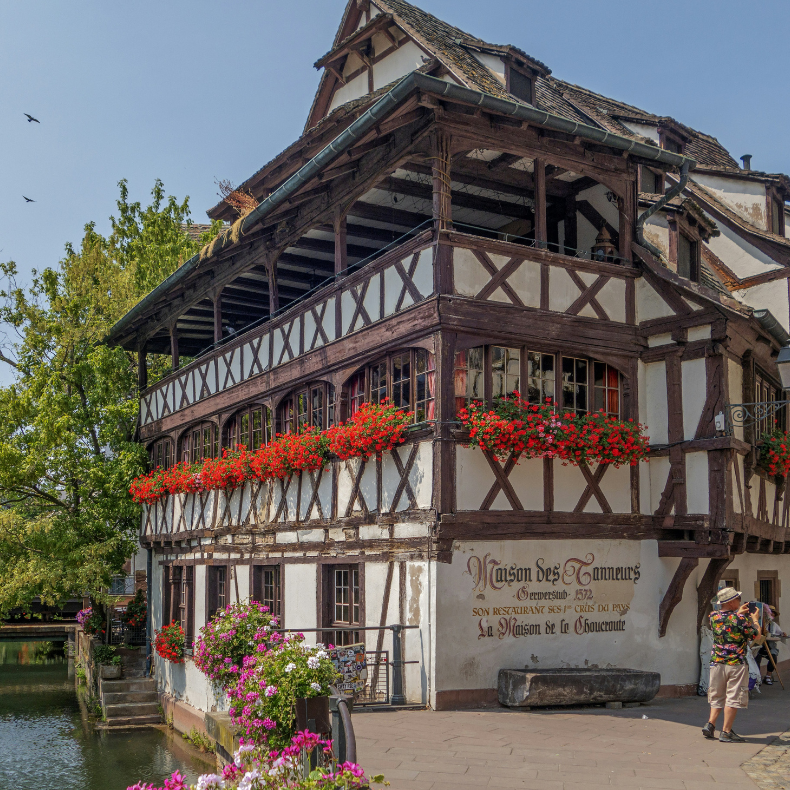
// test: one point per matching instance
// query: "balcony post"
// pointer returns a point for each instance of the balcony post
(217, 300)
(627, 205)
(341, 246)
(274, 294)
(442, 211)
(541, 235)
(174, 345)
(142, 368)
(571, 239)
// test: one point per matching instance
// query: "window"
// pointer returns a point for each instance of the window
(468, 376)
(766, 392)
(606, 385)
(671, 144)
(407, 379)
(520, 85)
(777, 217)
(342, 601)
(200, 442)
(767, 588)
(583, 385)
(574, 384)
(356, 393)
(217, 589)
(540, 373)
(506, 371)
(178, 600)
(161, 454)
(688, 252)
(651, 182)
(312, 406)
(250, 428)
(266, 587)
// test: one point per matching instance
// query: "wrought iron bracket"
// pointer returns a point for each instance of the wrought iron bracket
(743, 415)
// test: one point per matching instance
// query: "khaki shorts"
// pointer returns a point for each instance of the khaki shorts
(729, 686)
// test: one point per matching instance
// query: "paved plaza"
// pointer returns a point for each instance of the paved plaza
(578, 749)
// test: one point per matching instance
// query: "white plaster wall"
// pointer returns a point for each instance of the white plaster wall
(740, 256)
(769, 296)
(748, 566)
(300, 591)
(659, 471)
(403, 60)
(655, 416)
(241, 582)
(649, 304)
(745, 198)
(697, 487)
(494, 64)
(735, 385)
(418, 642)
(612, 298)
(200, 597)
(350, 91)
(657, 232)
(468, 658)
(694, 389)
(649, 131)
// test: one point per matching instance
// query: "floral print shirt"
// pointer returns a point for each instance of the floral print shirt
(731, 634)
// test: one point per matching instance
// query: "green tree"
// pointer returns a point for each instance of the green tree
(67, 449)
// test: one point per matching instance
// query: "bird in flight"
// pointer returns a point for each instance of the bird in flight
(30, 118)
(29, 200)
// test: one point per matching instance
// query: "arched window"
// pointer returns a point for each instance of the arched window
(577, 384)
(312, 405)
(160, 454)
(200, 442)
(251, 428)
(407, 379)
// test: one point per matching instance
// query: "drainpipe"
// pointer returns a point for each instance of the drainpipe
(148, 613)
(674, 192)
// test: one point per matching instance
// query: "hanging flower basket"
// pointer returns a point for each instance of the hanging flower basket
(531, 430)
(375, 428)
(775, 453)
(92, 622)
(169, 643)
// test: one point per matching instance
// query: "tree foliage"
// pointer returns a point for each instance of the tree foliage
(67, 449)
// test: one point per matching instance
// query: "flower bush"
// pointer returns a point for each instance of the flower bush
(263, 700)
(239, 630)
(375, 428)
(775, 453)
(169, 643)
(136, 610)
(92, 622)
(542, 431)
(256, 768)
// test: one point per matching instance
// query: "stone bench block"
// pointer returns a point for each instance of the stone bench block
(523, 688)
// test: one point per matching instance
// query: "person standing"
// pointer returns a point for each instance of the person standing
(732, 626)
(773, 634)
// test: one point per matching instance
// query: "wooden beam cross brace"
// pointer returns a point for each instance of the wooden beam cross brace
(674, 593)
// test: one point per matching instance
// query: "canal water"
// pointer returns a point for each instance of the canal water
(48, 741)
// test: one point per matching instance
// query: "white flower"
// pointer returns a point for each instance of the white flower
(210, 782)
(250, 780)
(313, 662)
(290, 667)
(243, 749)
(322, 654)
(307, 647)
(315, 686)
(267, 628)
(319, 645)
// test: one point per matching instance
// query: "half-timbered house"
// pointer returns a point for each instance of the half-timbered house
(455, 223)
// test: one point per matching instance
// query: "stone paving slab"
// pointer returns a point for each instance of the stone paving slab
(580, 748)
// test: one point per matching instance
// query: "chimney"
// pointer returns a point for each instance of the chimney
(747, 161)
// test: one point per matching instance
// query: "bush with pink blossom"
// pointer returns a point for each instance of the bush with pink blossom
(264, 699)
(258, 768)
(238, 630)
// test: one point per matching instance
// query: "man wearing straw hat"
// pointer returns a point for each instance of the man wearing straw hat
(733, 626)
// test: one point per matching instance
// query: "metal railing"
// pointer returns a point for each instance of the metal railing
(122, 634)
(381, 659)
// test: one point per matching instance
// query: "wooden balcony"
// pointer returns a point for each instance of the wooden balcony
(401, 278)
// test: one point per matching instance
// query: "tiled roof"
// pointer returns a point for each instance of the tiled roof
(609, 113)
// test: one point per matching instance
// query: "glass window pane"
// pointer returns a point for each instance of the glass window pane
(244, 430)
(317, 415)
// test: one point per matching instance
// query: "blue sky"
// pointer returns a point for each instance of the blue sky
(193, 91)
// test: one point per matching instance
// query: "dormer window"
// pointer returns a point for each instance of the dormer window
(520, 84)
(688, 257)
(671, 143)
(651, 182)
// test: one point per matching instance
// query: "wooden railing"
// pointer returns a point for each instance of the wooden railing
(400, 278)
